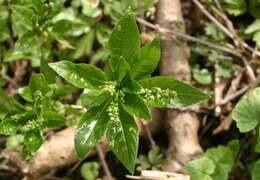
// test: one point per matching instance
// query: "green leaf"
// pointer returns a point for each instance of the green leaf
(8, 127)
(80, 75)
(257, 140)
(53, 120)
(147, 59)
(234, 147)
(234, 7)
(119, 68)
(223, 159)
(256, 38)
(254, 6)
(25, 93)
(93, 97)
(33, 140)
(22, 16)
(149, 3)
(186, 94)
(38, 83)
(135, 106)
(6, 104)
(203, 76)
(215, 163)
(14, 141)
(201, 169)
(247, 112)
(85, 45)
(89, 170)
(122, 134)
(255, 173)
(92, 126)
(255, 26)
(63, 90)
(124, 40)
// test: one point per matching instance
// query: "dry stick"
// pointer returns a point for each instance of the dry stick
(103, 162)
(174, 34)
(241, 91)
(233, 96)
(149, 134)
(237, 40)
(213, 19)
(229, 32)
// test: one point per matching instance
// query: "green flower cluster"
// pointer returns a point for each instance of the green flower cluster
(113, 111)
(156, 93)
(110, 87)
(33, 124)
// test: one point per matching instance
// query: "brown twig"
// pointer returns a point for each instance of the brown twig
(103, 162)
(149, 134)
(174, 34)
(212, 18)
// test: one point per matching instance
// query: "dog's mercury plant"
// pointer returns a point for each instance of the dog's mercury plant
(123, 91)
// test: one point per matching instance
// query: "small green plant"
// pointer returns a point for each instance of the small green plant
(154, 160)
(124, 90)
(32, 120)
(215, 164)
(89, 170)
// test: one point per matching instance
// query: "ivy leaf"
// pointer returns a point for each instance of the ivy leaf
(53, 120)
(124, 40)
(119, 67)
(215, 163)
(247, 112)
(223, 159)
(92, 126)
(122, 135)
(80, 75)
(203, 76)
(33, 140)
(147, 59)
(89, 170)
(234, 7)
(186, 94)
(255, 173)
(135, 106)
(38, 83)
(201, 169)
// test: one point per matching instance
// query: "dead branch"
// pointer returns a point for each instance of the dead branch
(183, 126)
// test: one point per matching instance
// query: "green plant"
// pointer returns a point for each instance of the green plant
(215, 163)
(89, 170)
(154, 160)
(123, 91)
(32, 120)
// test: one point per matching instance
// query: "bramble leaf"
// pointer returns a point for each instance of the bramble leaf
(124, 40)
(147, 59)
(33, 140)
(122, 134)
(135, 106)
(186, 94)
(93, 97)
(119, 68)
(38, 83)
(80, 75)
(93, 125)
(53, 119)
